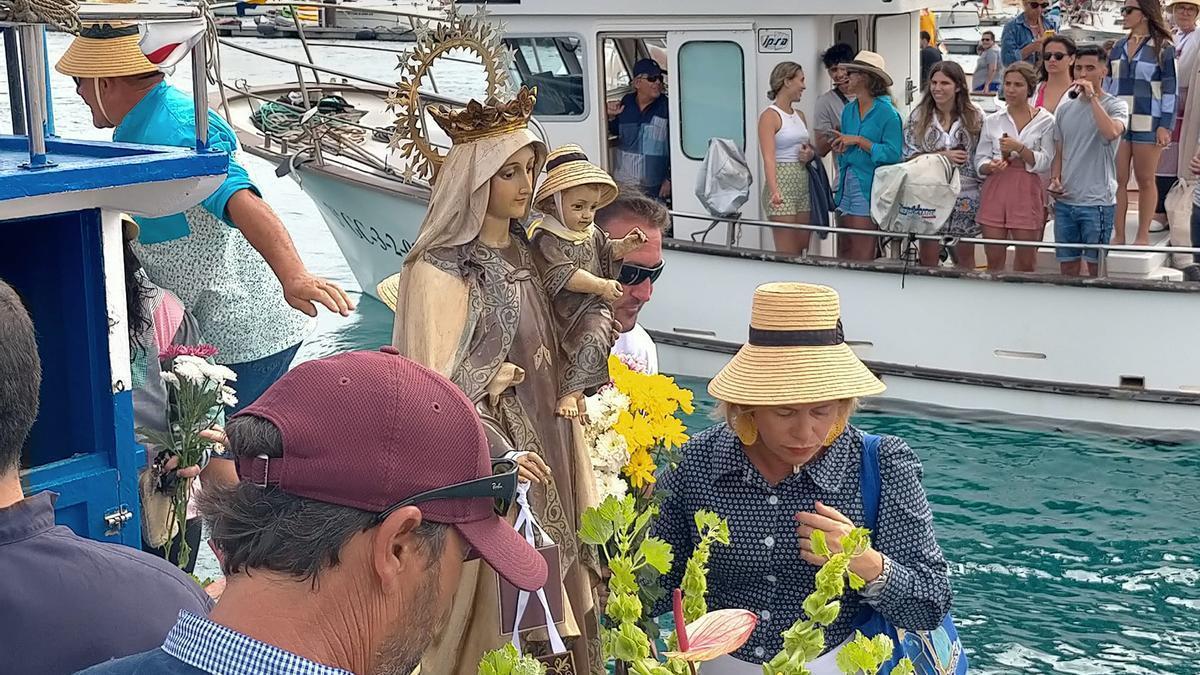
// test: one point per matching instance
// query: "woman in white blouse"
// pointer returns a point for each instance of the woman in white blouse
(1015, 146)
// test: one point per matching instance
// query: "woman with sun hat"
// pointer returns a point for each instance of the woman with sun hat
(786, 462)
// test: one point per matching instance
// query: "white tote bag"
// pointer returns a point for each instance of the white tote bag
(1179, 216)
(915, 197)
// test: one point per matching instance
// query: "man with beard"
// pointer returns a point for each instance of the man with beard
(366, 483)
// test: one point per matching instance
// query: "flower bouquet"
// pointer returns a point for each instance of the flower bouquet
(197, 395)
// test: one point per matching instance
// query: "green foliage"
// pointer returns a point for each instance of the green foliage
(713, 530)
(508, 661)
(805, 639)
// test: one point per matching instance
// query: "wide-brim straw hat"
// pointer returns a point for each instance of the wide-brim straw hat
(1193, 3)
(389, 291)
(105, 50)
(796, 353)
(870, 62)
(568, 167)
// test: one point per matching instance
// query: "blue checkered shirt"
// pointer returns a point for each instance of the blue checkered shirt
(213, 648)
(1146, 83)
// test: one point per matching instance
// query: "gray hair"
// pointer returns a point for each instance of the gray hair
(265, 528)
(21, 373)
(632, 202)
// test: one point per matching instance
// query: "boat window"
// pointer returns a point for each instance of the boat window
(847, 32)
(712, 99)
(552, 64)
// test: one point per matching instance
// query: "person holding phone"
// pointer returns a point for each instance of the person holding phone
(1022, 37)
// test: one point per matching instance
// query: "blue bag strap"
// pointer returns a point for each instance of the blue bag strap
(869, 482)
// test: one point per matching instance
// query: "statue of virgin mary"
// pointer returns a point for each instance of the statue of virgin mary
(469, 303)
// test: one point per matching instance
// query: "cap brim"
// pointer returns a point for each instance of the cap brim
(506, 551)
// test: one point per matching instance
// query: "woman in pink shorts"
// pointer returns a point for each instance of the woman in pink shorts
(1015, 146)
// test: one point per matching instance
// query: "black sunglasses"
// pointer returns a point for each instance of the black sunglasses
(1055, 56)
(1039, 5)
(652, 78)
(1126, 11)
(632, 275)
(501, 487)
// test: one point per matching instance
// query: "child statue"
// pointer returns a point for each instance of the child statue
(579, 265)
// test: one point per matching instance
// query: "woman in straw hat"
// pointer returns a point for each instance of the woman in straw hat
(579, 266)
(470, 304)
(872, 135)
(785, 463)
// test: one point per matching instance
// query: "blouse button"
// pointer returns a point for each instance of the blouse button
(771, 579)
(769, 541)
(766, 615)
(759, 651)
(772, 500)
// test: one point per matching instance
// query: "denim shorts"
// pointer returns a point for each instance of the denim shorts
(1081, 225)
(853, 201)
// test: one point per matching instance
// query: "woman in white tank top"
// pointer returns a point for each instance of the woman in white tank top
(784, 140)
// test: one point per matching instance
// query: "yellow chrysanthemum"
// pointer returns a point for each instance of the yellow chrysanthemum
(640, 469)
(672, 433)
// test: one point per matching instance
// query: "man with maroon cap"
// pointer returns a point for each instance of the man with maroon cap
(366, 483)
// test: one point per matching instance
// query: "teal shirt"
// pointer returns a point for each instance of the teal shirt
(167, 116)
(883, 127)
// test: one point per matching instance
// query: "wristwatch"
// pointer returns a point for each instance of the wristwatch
(874, 587)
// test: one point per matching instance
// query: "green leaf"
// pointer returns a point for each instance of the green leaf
(624, 608)
(820, 546)
(595, 528)
(629, 643)
(622, 580)
(643, 520)
(856, 582)
(904, 667)
(828, 614)
(657, 553)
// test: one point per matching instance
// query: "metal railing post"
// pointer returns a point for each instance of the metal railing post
(33, 71)
(200, 93)
(16, 98)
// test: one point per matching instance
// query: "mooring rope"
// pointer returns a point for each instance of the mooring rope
(61, 14)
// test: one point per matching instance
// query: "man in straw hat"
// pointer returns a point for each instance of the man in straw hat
(339, 558)
(786, 463)
(217, 257)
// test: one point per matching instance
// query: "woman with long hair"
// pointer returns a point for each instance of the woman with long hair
(786, 150)
(1057, 71)
(946, 122)
(1016, 146)
(1141, 69)
(872, 135)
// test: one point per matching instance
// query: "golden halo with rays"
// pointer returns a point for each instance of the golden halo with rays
(434, 39)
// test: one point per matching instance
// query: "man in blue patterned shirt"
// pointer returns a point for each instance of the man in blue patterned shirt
(339, 557)
(639, 121)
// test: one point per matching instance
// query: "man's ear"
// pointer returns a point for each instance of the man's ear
(396, 554)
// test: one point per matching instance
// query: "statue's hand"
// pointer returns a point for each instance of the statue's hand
(509, 375)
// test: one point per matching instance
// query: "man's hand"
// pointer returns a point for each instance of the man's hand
(303, 290)
(1085, 88)
(665, 190)
(613, 108)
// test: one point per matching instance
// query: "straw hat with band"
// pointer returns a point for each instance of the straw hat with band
(129, 227)
(870, 62)
(568, 167)
(796, 354)
(105, 50)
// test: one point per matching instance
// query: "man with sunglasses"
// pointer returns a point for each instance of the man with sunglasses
(1023, 34)
(367, 484)
(639, 270)
(639, 121)
(987, 70)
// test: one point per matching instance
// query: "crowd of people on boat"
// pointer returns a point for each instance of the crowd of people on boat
(1075, 122)
(349, 499)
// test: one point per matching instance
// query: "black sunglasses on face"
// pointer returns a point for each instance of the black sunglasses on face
(1039, 5)
(1055, 56)
(652, 78)
(632, 275)
(501, 487)
(1126, 11)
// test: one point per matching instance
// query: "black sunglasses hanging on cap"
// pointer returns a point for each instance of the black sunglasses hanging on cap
(632, 275)
(500, 487)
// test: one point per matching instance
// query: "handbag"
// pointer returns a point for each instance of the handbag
(932, 652)
(1179, 216)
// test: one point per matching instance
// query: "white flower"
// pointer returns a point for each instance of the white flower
(610, 452)
(227, 396)
(610, 486)
(218, 372)
(189, 370)
(169, 379)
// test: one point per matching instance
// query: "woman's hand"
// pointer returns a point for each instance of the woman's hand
(995, 166)
(956, 156)
(835, 526)
(1010, 145)
(1195, 164)
(509, 375)
(531, 468)
(1164, 137)
(807, 153)
(776, 197)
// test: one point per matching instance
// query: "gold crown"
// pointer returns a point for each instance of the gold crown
(490, 118)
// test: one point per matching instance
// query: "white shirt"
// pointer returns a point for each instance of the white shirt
(637, 344)
(1038, 136)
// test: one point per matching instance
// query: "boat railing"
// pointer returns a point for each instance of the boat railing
(734, 223)
(327, 153)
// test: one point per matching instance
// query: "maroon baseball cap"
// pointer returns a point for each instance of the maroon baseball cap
(371, 429)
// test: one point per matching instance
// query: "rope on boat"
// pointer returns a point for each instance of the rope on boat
(61, 14)
(333, 121)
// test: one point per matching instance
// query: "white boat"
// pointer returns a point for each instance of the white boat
(1017, 344)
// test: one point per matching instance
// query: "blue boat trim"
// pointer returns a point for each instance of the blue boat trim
(90, 165)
